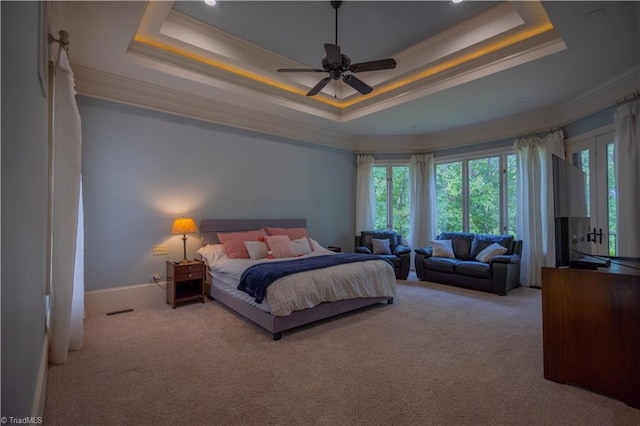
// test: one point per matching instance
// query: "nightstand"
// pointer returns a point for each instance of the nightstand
(185, 281)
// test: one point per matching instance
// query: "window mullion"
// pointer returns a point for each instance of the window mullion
(465, 195)
(389, 198)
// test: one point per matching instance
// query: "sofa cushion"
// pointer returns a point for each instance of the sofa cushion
(473, 269)
(482, 241)
(441, 264)
(461, 242)
(442, 248)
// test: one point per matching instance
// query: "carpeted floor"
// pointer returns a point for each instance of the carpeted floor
(438, 356)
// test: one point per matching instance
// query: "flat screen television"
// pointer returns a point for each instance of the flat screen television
(572, 224)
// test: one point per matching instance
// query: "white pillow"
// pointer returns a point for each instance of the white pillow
(490, 252)
(442, 248)
(256, 249)
(380, 246)
(301, 246)
(212, 253)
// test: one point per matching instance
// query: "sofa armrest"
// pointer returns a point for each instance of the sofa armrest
(425, 251)
(400, 250)
(503, 258)
(362, 249)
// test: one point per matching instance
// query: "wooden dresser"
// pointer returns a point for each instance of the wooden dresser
(591, 329)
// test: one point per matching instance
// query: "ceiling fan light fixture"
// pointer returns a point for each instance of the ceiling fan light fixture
(337, 65)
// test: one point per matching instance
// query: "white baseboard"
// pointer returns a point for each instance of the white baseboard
(119, 298)
(37, 408)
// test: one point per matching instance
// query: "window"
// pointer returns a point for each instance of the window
(477, 195)
(392, 198)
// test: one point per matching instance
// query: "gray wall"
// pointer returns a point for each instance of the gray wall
(143, 168)
(24, 208)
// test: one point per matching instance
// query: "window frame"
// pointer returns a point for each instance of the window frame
(502, 153)
(389, 164)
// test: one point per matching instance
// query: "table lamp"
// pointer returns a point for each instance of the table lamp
(184, 225)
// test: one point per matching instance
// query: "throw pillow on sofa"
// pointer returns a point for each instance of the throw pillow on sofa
(442, 248)
(380, 246)
(490, 252)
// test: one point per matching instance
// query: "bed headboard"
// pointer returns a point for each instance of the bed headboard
(210, 227)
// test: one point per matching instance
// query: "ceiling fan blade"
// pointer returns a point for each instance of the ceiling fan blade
(381, 64)
(318, 87)
(298, 70)
(333, 54)
(357, 84)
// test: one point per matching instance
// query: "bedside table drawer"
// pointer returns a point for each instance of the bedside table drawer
(183, 275)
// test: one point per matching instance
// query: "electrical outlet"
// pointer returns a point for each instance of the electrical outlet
(155, 275)
(159, 250)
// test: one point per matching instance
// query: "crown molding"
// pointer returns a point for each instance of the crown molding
(103, 85)
(582, 106)
(99, 84)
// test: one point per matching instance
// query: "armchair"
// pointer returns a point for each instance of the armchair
(398, 254)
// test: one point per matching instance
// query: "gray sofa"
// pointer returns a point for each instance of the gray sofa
(499, 275)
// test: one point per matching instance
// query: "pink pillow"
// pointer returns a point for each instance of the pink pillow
(233, 242)
(292, 233)
(280, 246)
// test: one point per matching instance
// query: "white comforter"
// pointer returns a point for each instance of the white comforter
(308, 289)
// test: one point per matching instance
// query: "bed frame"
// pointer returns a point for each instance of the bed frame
(276, 325)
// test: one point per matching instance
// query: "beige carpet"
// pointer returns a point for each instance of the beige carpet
(438, 356)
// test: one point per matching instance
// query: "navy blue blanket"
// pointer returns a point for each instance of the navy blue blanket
(255, 279)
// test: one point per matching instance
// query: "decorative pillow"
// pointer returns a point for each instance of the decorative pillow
(300, 246)
(490, 252)
(256, 249)
(482, 241)
(280, 246)
(380, 246)
(292, 233)
(233, 242)
(212, 253)
(442, 248)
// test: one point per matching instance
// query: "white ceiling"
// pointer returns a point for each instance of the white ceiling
(466, 72)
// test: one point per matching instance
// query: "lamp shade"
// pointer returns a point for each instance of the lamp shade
(184, 225)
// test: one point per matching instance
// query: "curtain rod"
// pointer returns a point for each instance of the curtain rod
(63, 40)
(635, 95)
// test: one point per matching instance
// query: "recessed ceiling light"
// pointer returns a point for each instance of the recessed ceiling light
(210, 2)
(456, 1)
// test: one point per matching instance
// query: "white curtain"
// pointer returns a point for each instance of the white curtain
(535, 225)
(422, 199)
(627, 165)
(67, 281)
(365, 194)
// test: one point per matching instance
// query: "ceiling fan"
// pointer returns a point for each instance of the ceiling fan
(337, 64)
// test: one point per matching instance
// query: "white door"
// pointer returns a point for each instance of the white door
(593, 153)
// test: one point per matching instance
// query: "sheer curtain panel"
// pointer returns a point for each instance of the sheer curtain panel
(535, 225)
(365, 194)
(627, 165)
(422, 199)
(67, 281)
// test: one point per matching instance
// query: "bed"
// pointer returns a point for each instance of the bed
(377, 274)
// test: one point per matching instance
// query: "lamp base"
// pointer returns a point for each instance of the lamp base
(184, 261)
